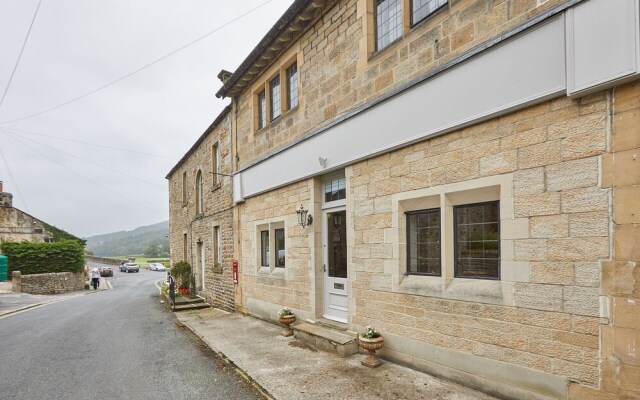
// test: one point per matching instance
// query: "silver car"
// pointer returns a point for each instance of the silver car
(130, 267)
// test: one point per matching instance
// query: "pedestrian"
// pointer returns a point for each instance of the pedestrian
(172, 288)
(95, 278)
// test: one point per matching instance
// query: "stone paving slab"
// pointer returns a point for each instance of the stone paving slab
(287, 368)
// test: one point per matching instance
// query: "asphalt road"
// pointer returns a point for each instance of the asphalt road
(112, 344)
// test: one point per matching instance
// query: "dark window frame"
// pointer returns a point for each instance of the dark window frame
(455, 240)
(276, 232)
(381, 45)
(408, 237)
(264, 257)
(414, 22)
(292, 86)
(262, 109)
(275, 96)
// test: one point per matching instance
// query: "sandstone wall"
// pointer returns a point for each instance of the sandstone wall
(53, 283)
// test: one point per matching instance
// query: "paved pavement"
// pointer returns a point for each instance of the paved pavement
(11, 302)
(286, 368)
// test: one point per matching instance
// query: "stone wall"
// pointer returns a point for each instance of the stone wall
(338, 70)
(60, 282)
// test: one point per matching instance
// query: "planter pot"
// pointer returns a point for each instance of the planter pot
(287, 320)
(371, 345)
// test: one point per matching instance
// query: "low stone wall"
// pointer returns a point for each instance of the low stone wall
(53, 283)
(104, 260)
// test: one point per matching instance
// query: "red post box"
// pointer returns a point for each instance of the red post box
(235, 272)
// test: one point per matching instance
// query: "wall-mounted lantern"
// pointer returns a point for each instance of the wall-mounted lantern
(304, 220)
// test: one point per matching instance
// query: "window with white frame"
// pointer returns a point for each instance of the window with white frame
(335, 189)
(271, 238)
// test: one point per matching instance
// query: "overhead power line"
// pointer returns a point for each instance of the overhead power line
(15, 131)
(24, 44)
(14, 180)
(91, 162)
(89, 93)
(119, 195)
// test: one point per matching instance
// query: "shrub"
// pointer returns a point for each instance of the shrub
(181, 271)
(42, 258)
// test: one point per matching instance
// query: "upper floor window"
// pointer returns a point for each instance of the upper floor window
(262, 110)
(215, 158)
(292, 86)
(274, 91)
(199, 193)
(388, 22)
(421, 9)
(184, 187)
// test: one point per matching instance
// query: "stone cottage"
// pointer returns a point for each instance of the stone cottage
(17, 225)
(461, 174)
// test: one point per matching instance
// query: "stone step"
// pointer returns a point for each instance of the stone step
(190, 306)
(189, 300)
(326, 338)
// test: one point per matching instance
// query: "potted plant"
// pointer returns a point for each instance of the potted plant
(371, 340)
(287, 317)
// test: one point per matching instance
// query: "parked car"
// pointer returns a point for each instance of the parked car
(129, 267)
(106, 271)
(157, 267)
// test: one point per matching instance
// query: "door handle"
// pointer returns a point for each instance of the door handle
(324, 267)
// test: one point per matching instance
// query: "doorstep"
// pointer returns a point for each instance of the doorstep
(327, 338)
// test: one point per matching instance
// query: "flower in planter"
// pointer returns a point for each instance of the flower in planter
(183, 291)
(285, 312)
(370, 333)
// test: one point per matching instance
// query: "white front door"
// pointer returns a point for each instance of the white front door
(334, 244)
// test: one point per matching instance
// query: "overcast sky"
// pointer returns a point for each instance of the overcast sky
(132, 132)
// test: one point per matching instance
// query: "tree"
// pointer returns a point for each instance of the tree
(152, 250)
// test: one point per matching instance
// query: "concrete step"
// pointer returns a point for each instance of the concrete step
(189, 300)
(327, 338)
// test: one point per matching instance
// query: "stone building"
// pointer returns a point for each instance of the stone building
(470, 170)
(17, 225)
(201, 215)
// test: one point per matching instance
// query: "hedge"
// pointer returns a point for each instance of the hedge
(42, 258)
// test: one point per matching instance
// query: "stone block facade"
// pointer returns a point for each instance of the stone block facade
(558, 317)
(201, 214)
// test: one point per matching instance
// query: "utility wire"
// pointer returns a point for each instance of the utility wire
(15, 131)
(90, 162)
(14, 181)
(89, 93)
(119, 195)
(24, 44)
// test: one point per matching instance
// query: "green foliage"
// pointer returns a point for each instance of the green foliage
(58, 235)
(152, 250)
(181, 271)
(41, 258)
(131, 242)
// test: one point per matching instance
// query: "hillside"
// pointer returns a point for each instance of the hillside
(133, 242)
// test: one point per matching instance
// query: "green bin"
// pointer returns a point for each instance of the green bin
(4, 268)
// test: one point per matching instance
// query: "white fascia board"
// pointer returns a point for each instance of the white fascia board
(602, 45)
(526, 69)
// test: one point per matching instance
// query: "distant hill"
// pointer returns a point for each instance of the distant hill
(133, 242)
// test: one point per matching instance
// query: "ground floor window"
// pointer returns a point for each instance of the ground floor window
(423, 242)
(271, 240)
(477, 240)
(279, 245)
(264, 246)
